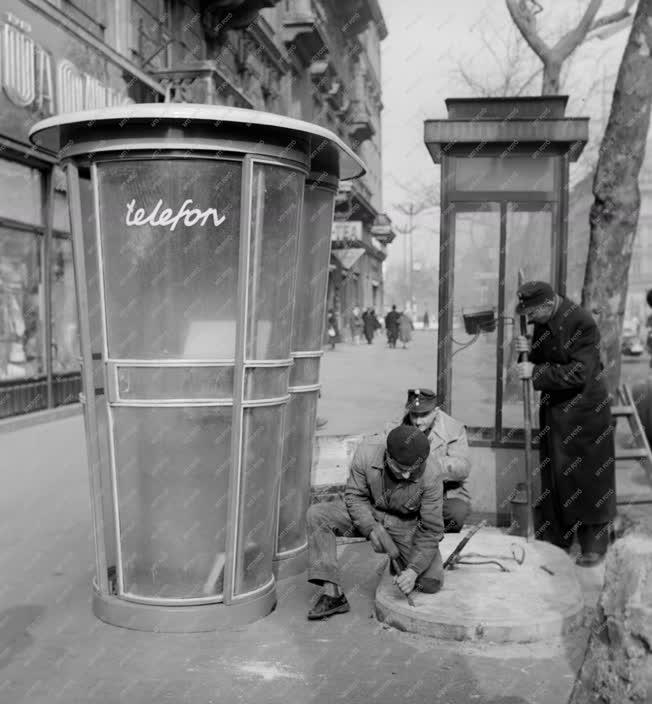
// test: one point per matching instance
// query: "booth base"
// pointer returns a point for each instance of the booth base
(483, 603)
(181, 619)
(292, 566)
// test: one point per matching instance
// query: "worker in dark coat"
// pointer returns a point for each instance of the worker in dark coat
(578, 493)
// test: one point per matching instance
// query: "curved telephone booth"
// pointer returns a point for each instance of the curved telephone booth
(188, 222)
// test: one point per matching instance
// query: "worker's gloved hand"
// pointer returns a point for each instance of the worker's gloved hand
(376, 544)
(525, 370)
(522, 344)
(405, 581)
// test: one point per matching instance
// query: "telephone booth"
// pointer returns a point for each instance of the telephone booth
(188, 222)
(504, 206)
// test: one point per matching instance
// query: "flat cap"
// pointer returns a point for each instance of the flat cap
(407, 445)
(532, 294)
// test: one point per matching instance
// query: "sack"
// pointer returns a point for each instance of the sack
(331, 332)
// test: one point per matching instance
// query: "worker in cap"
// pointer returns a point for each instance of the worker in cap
(394, 499)
(578, 493)
(449, 453)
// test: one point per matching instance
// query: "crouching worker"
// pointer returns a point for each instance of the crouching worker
(390, 487)
(449, 453)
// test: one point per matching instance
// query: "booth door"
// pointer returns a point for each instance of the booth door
(169, 243)
(491, 243)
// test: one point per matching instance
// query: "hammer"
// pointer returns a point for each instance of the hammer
(389, 546)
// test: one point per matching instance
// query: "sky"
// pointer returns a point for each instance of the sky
(426, 40)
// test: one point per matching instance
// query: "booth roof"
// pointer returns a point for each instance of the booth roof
(47, 133)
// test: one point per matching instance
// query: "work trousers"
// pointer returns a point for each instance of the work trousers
(328, 519)
(454, 513)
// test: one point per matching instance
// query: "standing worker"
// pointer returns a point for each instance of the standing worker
(578, 492)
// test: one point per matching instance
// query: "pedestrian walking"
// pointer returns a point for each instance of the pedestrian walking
(333, 331)
(356, 325)
(405, 328)
(370, 324)
(578, 492)
(426, 321)
(391, 326)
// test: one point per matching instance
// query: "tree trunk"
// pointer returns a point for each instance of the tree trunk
(551, 77)
(614, 213)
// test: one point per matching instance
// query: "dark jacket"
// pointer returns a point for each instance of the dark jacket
(418, 500)
(576, 430)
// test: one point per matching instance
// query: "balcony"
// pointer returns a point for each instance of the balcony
(201, 82)
(360, 125)
(220, 15)
(303, 32)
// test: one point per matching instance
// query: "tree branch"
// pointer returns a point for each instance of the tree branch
(571, 40)
(523, 18)
(614, 17)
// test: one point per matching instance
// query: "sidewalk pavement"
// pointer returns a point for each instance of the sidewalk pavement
(53, 649)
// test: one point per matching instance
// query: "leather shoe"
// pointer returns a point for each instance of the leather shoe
(589, 559)
(328, 606)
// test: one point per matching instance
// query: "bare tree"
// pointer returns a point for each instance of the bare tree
(524, 14)
(614, 214)
(512, 69)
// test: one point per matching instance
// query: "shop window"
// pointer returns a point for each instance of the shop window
(21, 305)
(21, 193)
(65, 338)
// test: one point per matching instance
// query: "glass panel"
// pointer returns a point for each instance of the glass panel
(91, 264)
(61, 212)
(65, 332)
(170, 234)
(22, 198)
(304, 371)
(505, 173)
(175, 382)
(529, 248)
(312, 276)
(21, 305)
(265, 382)
(475, 291)
(277, 194)
(296, 468)
(172, 474)
(261, 460)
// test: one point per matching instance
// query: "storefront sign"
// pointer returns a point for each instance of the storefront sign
(190, 216)
(346, 230)
(30, 77)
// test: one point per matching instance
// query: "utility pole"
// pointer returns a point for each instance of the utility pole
(410, 209)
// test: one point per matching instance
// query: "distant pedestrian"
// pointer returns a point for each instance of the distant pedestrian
(405, 328)
(391, 326)
(371, 324)
(356, 325)
(426, 321)
(333, 331)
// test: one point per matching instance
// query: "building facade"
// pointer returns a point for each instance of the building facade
(317, 60)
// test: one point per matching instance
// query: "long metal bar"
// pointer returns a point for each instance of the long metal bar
(527, 428)
(446, 281)
(93, 449)
(235, 480)
(47, 279)
(171, 601)
(560, 229)
(304, 388)
(308, 354)
(502, 255)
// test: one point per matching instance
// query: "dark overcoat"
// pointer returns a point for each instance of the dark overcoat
(576, 427)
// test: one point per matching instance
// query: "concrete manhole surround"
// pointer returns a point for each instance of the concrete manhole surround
(482, 603)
